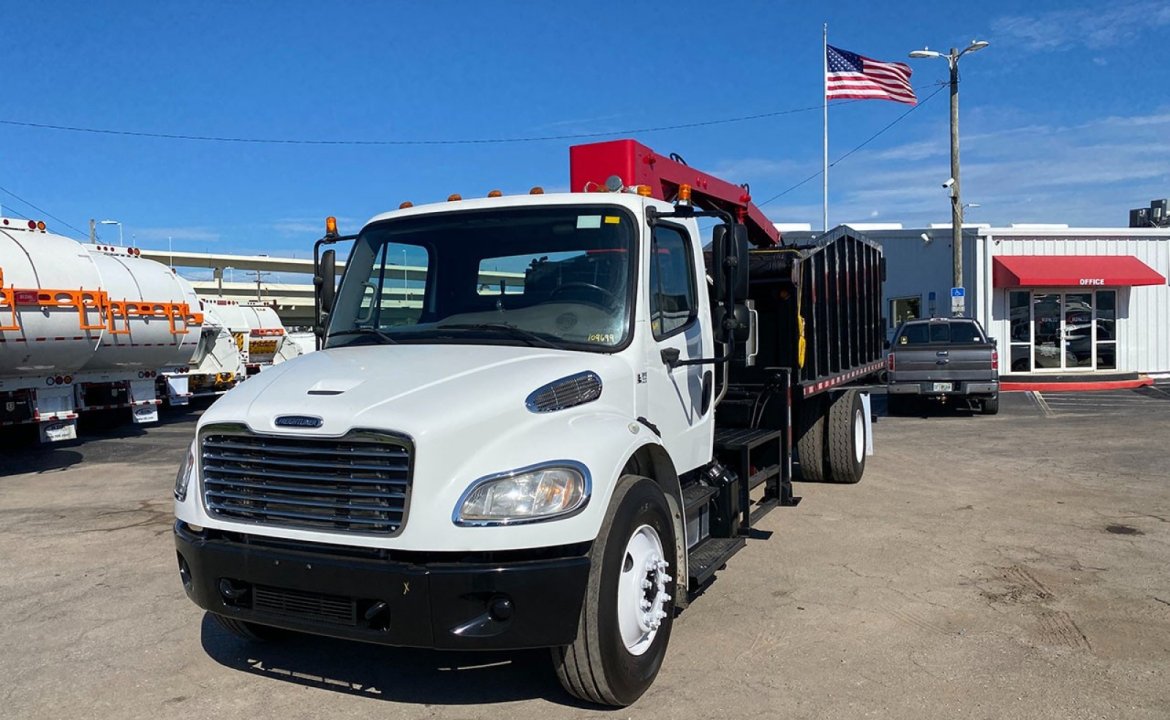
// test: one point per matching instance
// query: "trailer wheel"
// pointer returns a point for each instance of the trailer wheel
(248, 630)
(990, 406)
(810, 444)
(629, 606)
(845, 454)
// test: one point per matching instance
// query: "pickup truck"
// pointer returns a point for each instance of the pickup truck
(943, 359)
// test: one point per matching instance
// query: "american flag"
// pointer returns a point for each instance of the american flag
(853, 76)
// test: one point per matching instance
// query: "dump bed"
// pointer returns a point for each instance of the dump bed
(833, 285)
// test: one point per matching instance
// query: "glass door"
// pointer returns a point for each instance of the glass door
(1063, 331)
(1047, 341)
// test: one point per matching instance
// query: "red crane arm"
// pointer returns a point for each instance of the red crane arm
(592, 164)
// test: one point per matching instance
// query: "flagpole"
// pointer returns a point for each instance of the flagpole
(825, 99)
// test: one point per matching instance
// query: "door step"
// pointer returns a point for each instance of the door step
(710, 557)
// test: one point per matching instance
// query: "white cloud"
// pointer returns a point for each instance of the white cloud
(1094, 28)
(1088, 174)
(177, 234)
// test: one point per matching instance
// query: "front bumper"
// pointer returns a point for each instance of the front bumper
(957, 388)
(447, 601)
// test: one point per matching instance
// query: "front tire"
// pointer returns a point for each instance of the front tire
(629, 603)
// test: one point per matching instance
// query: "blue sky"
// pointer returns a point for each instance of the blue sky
(1065, 117)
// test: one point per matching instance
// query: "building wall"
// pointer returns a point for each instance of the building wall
(1143, 323)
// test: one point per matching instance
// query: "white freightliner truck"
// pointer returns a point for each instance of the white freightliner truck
(557, 458)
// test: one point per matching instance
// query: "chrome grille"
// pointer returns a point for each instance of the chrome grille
(357, 484)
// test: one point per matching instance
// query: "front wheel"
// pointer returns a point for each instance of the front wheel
(629, 603)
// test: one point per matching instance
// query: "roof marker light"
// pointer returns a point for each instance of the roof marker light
(495, 193)
(405, 204)
(454, 197)
(538, 190)
(644, 191)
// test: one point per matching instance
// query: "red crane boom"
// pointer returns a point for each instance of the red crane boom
(592, 164)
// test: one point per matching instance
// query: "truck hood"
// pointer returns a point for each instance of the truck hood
(412, 389)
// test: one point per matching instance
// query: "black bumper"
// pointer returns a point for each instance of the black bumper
(437, 601)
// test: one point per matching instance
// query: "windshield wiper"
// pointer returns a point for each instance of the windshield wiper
(512, 330)
(367, 332)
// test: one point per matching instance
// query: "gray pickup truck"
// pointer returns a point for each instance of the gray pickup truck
(945, 359)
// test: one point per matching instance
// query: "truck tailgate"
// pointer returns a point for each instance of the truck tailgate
(943, 362)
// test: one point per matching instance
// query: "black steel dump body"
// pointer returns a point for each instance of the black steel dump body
(834, 285)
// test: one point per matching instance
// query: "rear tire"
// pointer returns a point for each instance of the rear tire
(845, 451)
(620, 641)
(250, 631)
(990, 406)
(810, 446)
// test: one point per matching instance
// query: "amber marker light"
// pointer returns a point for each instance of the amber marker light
(495, 193)
(330, 226)
(684, 194)
(405, 204)
(40, 224)
(644, 190)
(453, 197)
(538, 190)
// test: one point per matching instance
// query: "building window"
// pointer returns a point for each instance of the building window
(905, 308)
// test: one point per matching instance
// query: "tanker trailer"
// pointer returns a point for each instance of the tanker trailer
(215, 368)
(85, 327)
(268, 342)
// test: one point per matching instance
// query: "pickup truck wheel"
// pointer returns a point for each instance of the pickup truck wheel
(248, 630)
(810, 444)
(845, 454)
(629, 606)
(990, 406)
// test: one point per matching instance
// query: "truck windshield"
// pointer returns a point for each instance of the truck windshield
(539, 276)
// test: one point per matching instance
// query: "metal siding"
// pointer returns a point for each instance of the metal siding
(1143, 317)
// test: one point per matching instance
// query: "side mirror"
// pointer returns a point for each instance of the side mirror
(729, 253)
(325, 280)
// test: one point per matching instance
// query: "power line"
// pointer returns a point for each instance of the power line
(453, 141)
(867, 141)
(46, 213)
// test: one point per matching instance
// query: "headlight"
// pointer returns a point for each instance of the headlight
(183, 477)
(531, 494)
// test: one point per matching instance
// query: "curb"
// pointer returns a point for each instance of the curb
(1075, 386)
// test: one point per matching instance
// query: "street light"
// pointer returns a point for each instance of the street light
(114, 222)
(956, 202)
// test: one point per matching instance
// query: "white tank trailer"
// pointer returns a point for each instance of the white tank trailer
(86, 327)
(259, 334)
(215, 368)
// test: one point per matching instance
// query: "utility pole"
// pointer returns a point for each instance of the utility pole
(956, 201)
(958, 301)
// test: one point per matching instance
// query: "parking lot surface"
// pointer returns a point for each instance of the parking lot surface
(1012, 566)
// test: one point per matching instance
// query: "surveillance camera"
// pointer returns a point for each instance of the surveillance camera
(949, 182)
(926, 238)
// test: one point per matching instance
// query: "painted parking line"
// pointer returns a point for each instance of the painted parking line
(1041, 403)
(1105, 403)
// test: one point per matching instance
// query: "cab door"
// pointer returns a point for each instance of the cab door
(677, 403)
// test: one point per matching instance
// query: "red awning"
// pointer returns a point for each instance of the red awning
(1072, 271)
